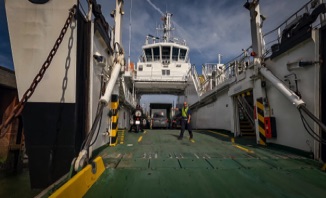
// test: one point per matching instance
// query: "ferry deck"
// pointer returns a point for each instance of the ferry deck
(156, 164)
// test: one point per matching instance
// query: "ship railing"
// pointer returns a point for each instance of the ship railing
(161, 78)
(208, 69)
(273, 38)
(203, 72)
(128, 95)
(129, 98)
(220, 76)
(238, 64)
(158, 59)
(206, 86)
(207, 83)
(153, 40)
(177, 41)
(208, 72)
(215, 74)
(195, 79)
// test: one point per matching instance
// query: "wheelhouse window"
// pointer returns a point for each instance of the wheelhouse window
(165, 72)
(166, 53)
(140, 68)
(183, 53)
(175, 53)
(156, 53)
(148, 54)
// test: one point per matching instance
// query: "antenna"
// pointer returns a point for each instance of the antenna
(167, 27)
(219, 58)
(166, 6)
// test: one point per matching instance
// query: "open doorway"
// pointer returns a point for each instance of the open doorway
(245, 109)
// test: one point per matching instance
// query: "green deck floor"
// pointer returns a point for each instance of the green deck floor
(159, 165)
(156, 164)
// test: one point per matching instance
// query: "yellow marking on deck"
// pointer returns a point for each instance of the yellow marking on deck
(141, 137)
(232, 140)
(324, 167)
(221, 134)
(121, 136)
(244, 149)
(79, 184)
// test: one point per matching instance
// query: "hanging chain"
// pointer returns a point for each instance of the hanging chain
(20, 106)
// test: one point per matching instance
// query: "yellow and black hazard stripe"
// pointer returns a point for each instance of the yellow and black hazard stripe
(261, 123)
(114, 119)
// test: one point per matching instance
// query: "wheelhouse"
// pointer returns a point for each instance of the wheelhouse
(165, 53)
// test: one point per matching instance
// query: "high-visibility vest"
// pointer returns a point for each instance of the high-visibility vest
(184, 112)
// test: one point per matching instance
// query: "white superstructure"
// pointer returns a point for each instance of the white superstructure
(274, 90)
(164, 64)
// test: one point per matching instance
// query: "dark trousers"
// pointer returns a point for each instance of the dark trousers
(184, 125)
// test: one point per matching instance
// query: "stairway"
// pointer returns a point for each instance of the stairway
(246, 128)
(246, 120)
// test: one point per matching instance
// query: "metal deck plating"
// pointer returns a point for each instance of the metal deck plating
(159, 165)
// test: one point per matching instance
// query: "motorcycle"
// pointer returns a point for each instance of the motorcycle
(137, 121)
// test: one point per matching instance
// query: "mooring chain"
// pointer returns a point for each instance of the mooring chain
(20, 106)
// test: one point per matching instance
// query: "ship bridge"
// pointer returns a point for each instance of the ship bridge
(164, 65)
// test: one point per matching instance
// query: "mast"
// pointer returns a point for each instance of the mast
(119, 62)
(167, 28)
(129, 35)
(256, 32)
(118, 21)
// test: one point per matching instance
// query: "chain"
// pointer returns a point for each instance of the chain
(20, 106)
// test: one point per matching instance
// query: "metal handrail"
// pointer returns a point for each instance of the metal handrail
(195, 78)
(247, 109)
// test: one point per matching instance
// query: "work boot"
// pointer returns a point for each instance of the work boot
(192, 140)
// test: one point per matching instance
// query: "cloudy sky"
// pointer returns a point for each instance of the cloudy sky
(209, 27)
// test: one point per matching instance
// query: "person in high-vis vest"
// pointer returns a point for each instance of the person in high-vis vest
(185, 122)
